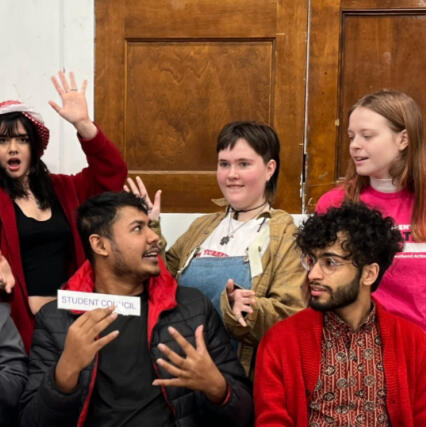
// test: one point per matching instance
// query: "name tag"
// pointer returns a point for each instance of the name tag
(86, 301)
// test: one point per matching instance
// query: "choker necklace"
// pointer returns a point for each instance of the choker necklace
(237, 212)
(230, 234)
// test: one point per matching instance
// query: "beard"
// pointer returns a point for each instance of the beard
(341, 297)
(121, 268)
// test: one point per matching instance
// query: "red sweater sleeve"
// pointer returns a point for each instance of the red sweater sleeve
(420, 393)
(106, 169)
(269, 389)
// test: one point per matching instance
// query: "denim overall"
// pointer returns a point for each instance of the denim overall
(210, 275)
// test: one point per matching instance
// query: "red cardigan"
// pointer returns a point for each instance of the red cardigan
(288, 367)
(106, 171)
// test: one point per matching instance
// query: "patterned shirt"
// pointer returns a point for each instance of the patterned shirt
(351, 389)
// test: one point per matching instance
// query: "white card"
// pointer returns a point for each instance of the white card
(86, 301)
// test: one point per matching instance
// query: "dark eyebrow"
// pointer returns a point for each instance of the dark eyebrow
(137, 222)
(333, 254)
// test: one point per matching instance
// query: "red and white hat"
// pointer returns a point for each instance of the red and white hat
(19, 107)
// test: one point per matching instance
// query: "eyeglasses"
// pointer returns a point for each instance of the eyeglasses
(328, 264)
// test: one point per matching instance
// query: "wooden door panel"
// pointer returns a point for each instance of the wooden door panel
(171, 73)
(389, 50)
(357, 47)
(225, 80)
(200, 18)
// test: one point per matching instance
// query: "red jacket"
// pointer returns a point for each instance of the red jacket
(288, 367)
(106, 171)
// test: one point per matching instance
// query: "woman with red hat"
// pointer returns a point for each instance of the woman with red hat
(39, 240)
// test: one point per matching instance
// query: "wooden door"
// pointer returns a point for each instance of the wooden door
(356, 47)
(171, 73)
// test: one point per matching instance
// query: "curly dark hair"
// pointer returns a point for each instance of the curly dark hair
(369, 238)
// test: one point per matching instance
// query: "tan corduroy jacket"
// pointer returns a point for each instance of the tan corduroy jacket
(280, 289)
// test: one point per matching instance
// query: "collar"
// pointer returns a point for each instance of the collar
(337, 326)
(161, 289)
(386, 185)
(224, 204)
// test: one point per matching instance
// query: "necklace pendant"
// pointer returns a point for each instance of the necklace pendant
(224, 240)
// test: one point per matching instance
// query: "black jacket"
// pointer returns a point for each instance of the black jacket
(13, 367)
(42, 404)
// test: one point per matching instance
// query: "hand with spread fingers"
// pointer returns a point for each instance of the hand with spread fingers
(7, 280)
(82, 344)
(74, 105)
(196, 371)
(137, 187)
(240, 300)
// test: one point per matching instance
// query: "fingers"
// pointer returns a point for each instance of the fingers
(131, 186)
(171, 355)
(83, 87)
(170, 382)
(230, 286)
(102, 342)
(9, 286)
(72, 80)
(245, 295)
(157, 200)
(141, 186)
(183, 343)
(243, 302)
(100, 316)
(171, 369)
(199, 339)
(138, 189)
(55, 106)
(64, 81)
(58, 87)
(240, 318)
(64, 87)
(7, 280)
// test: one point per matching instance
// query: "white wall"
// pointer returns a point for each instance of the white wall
(40, 37)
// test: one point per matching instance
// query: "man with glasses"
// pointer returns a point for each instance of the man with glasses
(345, 360)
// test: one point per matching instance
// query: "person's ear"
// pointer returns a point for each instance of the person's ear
(403, 140)
(370, 272)
(100, 245)
(270, 168)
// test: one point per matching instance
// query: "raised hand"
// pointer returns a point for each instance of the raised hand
(81, 345)
(138, 189)
(74, 105)
(240, 300)
(196, 371)
(7, 280)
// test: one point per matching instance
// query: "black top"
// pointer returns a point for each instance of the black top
(123, 394)
(45, 248)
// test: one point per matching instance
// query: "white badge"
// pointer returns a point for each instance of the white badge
(86, 301)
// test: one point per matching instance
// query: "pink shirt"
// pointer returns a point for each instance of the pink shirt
(403, 287)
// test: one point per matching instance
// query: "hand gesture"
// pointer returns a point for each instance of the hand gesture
(81, 345)
(240, 301)
(74, 104)
(196, 371)
(7, 280)
(138, 189)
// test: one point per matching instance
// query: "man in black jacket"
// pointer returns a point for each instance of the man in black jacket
(13, 367)
(171, 366)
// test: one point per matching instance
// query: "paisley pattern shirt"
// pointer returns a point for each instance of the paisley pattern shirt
(351, 389)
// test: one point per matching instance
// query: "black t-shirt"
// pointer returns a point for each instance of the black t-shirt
(123, 395)
(45, 250)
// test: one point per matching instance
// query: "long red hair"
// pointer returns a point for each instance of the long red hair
(409, 170)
